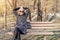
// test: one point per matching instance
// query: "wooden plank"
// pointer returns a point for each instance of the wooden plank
(36, 33)
(43, 30)
(41, 22)
(39, 25)
(41, 33)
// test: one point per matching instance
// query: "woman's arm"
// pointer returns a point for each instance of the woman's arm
(28, 13)
(15, 11)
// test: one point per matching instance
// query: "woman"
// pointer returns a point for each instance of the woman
(21, 14)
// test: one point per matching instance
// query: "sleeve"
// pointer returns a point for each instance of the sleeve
(15, 11)
(28, 13)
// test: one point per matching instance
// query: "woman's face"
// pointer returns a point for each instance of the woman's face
(20, 11)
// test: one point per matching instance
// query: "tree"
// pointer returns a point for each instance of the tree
(39, 12)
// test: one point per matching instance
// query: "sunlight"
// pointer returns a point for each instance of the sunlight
(1, 1)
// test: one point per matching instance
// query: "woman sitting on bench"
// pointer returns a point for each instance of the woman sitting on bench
(21, 22)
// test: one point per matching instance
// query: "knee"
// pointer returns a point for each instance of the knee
(16, 30)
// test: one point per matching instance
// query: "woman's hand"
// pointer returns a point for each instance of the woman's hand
(20, 11)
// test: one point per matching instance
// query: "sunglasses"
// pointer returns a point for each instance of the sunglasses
(21, 11)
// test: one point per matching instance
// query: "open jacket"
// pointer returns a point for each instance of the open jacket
(21, 21)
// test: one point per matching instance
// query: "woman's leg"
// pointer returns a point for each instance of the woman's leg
(16, 34)
(19, 33)
(19, 38)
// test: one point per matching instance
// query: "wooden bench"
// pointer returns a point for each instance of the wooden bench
(43, 28)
